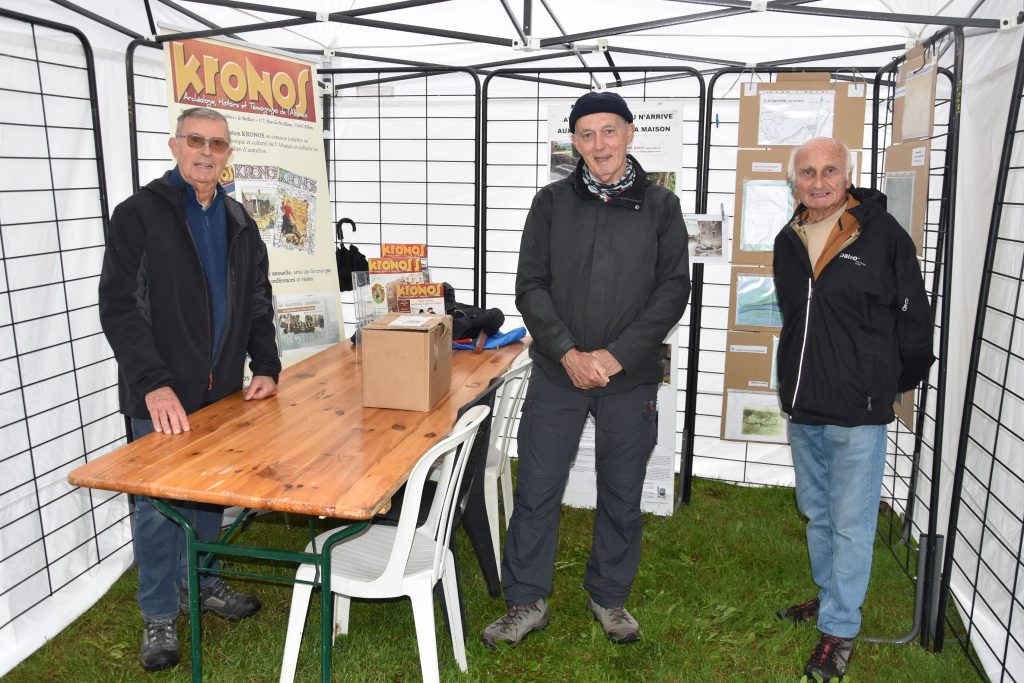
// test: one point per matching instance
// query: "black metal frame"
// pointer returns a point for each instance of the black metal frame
(96, 499)
(972, 434)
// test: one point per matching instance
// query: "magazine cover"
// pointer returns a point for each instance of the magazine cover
(385, 275)
(426, 298)
(296, 224)
(256, 188)
(394, 249)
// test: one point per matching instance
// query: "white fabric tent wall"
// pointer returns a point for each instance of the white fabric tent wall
(990, 60)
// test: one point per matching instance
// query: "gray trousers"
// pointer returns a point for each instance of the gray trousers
(549, 433)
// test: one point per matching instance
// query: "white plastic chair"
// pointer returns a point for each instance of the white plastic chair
(385, 561)
(513, 390)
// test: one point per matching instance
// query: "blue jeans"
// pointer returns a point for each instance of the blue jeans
(159, 547)
(838, 485)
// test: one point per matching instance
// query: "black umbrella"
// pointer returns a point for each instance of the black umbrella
(349, 258)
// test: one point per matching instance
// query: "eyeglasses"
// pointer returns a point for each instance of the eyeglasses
(196, 141)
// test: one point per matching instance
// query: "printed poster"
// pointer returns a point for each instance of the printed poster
(277, 171)
(657, 143)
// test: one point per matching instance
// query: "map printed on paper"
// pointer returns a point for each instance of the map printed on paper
(792, 117)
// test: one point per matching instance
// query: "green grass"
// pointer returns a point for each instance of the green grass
(710, 580)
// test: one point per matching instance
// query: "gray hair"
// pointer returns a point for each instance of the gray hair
(848, 156)
(202, 113)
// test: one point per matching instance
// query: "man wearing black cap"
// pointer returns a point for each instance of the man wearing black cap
(603, 278)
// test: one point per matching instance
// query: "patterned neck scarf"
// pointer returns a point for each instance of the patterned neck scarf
(606, 192)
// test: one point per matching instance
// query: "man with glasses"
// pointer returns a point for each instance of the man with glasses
(183, 298)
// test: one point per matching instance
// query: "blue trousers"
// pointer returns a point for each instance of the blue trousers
(548, 438)
(838, 486)
(159, 547)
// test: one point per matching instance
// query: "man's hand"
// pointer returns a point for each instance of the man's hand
(607, 361)
(166, 411)
(584, 369)
(261, 386)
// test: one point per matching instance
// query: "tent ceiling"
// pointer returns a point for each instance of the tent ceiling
(696, 33)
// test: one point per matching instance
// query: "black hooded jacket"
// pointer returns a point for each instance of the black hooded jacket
(155, 310)
(859, 333)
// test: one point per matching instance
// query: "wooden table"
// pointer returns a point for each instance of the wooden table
(312, 449)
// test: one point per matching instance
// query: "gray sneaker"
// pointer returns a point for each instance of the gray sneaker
(159, 645)
(618, 624)
(517, 623)
(222, 600)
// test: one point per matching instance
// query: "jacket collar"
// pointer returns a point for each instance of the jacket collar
(632, 195)
(174, 194)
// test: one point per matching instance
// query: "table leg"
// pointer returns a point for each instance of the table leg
(327, 597)
(193, 583)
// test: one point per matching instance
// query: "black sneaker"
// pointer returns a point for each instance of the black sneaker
(800, 614)
(829, 660)
(160, 648)
(222, 600)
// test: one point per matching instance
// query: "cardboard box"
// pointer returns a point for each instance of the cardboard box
(406, 361)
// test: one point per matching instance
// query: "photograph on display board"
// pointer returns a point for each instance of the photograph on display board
(754, 416)
(706, 235)
(756, 304)
(305, 322)
(563, 160)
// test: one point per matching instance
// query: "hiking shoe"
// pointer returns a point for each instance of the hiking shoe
(618, 624)
(828, 663)
(800, 614)
(517, 623)
(222, 600)
(159, 645)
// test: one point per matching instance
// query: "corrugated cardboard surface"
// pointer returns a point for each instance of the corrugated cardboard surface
(406, 367)
(847, 126)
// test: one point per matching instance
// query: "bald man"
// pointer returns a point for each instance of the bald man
(856, 330)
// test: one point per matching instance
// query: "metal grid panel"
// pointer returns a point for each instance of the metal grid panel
(403, 150)
(986, 524)
(58, 398)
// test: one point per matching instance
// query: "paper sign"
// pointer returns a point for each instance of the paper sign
(918, 155)
(765, 167)
(409, 321)
(747, 348)
(855, 90)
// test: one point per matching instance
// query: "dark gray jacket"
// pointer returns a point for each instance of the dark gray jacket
(596, 275)
(155, 310)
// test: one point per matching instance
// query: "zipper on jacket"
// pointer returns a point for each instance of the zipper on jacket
(906, 302)
(803, 343)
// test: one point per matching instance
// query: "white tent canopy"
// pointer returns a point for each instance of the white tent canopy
(485, 34)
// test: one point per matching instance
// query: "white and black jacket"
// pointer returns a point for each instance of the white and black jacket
(861, 331)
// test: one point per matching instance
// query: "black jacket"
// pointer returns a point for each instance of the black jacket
(859, 333)
(596, 275)
(155, 310)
